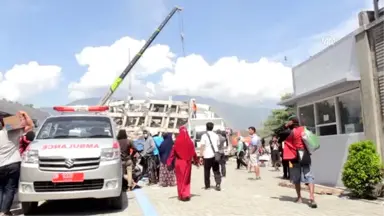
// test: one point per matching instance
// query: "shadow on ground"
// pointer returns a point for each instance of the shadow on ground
(292, 199)
(76, 207)
(176, 197)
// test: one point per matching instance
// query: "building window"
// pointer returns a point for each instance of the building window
(326, 117)
(351, 120)
(326, 112)
(327, 130)
(307, 117)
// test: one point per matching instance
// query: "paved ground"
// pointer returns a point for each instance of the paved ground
(240, 196)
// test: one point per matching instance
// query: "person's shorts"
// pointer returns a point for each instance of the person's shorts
(301, 174)
(254, 160)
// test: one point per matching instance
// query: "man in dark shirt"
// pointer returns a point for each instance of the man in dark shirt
(283, 133)
(223, 144)
(275, 153)
(127, 157)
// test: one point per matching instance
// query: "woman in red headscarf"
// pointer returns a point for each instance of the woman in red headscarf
(182, 156)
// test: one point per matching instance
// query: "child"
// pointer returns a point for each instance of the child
(25, 140)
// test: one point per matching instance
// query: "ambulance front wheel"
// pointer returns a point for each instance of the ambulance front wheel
(117, 203)
(29, 207)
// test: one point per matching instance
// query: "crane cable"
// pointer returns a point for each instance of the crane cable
(181, 29)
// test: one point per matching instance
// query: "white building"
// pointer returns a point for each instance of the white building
(339, 94)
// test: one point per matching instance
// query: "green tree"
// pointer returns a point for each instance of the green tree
(29, 105)
(278, 117)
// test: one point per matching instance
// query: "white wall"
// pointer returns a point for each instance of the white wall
(328, 161)
(332, 64)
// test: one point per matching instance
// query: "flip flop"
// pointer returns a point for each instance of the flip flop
(312, 204)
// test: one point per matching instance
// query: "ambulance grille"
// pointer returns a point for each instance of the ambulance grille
(60, 164)
(47, 186)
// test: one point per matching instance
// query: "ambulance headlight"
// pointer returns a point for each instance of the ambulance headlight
(31, 156)
(108, 154)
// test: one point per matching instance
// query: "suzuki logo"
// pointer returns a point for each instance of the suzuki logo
(69, 163)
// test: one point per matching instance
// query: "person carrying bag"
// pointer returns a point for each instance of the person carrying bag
(216, 153)
(211, 156)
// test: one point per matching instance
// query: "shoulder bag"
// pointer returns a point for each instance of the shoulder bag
(217, 154)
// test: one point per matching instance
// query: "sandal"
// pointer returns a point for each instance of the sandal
(312, 204)
(185, 199)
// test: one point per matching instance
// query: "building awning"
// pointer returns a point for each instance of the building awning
(334, 85)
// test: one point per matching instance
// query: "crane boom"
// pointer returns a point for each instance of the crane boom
(131, 64)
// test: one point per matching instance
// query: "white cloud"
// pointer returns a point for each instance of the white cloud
(228, 79)
(26, 80)
(105, 63)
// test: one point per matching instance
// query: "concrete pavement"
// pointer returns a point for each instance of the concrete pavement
(239, 196)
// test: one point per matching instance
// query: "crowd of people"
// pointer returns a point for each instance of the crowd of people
(168, 162)
(286, 149)
(175, 158)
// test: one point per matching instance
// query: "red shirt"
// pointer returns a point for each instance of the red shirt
(292, 143)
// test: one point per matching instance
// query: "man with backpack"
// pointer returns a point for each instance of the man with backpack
(299, 157)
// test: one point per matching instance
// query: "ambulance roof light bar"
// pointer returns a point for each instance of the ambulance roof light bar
(81, 108)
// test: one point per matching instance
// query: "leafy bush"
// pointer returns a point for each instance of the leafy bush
(382, 170)
(363, 169)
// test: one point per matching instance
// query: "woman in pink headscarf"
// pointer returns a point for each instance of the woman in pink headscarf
(182, 156)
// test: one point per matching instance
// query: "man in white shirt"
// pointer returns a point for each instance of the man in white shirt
(9, 169)
(254, 147)
(209, 146)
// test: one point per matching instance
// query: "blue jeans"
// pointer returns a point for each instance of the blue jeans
(301, 174)
(9, 179)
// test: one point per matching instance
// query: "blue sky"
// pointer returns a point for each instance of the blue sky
(52, 32)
